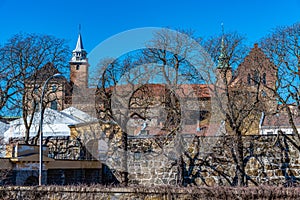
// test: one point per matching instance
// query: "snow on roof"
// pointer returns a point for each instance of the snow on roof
(3, 127)
(78, 114)
(55, 123)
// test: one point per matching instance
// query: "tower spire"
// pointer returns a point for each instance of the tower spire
(79, 65)
(223, 57)
(79, 53)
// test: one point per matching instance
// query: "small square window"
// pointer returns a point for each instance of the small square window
(137, 155)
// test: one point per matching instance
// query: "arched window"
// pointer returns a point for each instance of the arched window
(256, 77)
(249, 79)
(264, 79)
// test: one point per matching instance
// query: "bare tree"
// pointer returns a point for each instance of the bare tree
(26, 54)
(9, 76)
(149, 89)
(238, 96)
(282, 46)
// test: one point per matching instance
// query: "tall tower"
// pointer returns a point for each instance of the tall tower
(224, 71)
(79, 66)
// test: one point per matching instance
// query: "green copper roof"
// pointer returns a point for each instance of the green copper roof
(223, 59)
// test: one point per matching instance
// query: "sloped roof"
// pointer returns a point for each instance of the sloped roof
(255, 60)
(79, 44)
(3, 127)
(44, 73)
(183, 90)
(78, 114)
(55, 123)
(279, 120)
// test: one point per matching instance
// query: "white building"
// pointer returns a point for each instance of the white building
(272, 124)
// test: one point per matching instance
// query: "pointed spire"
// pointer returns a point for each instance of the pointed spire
(79, 54)
(223, 57)
(79, 45)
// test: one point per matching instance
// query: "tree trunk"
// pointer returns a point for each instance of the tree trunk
(240, 160)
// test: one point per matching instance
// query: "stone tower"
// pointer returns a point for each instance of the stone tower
(79, 66)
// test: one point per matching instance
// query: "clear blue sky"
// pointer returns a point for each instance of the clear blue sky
(101, 19)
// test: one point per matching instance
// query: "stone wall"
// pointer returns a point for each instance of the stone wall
(270, 160)
(211, 161)
(148, 164)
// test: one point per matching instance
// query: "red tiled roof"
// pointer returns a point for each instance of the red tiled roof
(280, 120)
(184, 90)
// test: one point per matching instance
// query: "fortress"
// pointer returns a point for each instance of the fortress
(146, 148)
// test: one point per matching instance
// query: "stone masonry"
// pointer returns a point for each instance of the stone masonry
(210, 161)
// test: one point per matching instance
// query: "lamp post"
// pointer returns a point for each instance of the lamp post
(41, 127)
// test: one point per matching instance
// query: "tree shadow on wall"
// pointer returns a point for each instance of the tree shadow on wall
(285, 167)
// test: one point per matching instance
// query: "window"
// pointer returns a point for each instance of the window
(249, 79)
(263, 93)
(264, 79)
(77, 67)
(256, 77)
(54, 105)
(137, 155)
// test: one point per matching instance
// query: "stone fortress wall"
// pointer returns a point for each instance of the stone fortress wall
(208, 161)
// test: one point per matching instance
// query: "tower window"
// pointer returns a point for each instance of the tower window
(264, 79)
(256, 77)
(77, 67)
(249, 79)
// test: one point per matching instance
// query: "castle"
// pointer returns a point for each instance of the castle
(125, 153)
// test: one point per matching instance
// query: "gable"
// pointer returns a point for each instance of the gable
(255, 68)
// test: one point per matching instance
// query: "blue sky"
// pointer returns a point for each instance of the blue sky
(101, 19)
